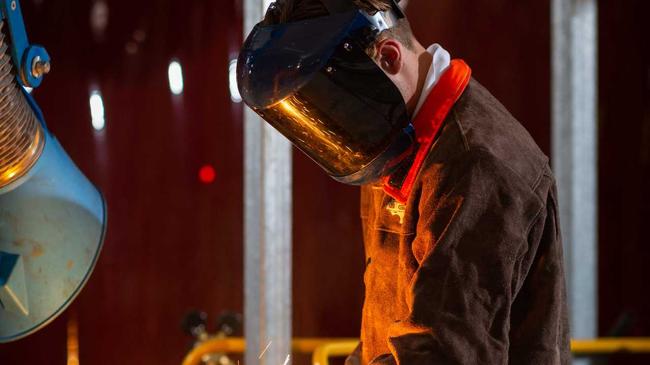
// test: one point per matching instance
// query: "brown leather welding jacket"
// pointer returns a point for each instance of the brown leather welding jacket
(470, 269)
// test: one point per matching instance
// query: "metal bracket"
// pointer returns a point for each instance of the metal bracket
(32, 62)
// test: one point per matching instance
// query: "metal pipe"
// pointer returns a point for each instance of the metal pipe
(267, 231)
(574, 151)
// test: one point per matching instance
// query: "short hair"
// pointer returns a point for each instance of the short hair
(286, 11)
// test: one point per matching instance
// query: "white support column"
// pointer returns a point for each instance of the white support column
(267, 232)
(574, 144)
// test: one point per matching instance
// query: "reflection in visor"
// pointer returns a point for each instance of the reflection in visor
(314, 127)
(316, 134)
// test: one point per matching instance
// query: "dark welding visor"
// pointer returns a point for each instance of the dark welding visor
(313, 81)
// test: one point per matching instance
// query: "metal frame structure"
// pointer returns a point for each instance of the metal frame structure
(574, 150)
(267, 231)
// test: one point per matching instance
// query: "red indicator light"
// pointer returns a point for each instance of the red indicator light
(207, 174)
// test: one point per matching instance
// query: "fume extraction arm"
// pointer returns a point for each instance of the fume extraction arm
(52, 219)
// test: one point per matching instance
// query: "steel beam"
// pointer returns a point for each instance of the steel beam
(267, 232)
(574, 151)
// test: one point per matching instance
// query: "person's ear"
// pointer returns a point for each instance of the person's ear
(389, 56)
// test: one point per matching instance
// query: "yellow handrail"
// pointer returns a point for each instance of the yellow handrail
(324, 348)
(237, 345)
(610, 345)
(228, 345)
(333, 349)
(578, 347)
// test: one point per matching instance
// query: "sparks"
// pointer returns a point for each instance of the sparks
(265, 349)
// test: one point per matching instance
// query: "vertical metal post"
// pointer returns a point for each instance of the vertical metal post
(267, 232)
(574, 143)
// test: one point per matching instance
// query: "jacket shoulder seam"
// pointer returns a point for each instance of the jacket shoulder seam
(457, 121)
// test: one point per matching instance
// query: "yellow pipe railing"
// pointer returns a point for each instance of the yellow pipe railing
(324, 348)
(236, 345)
(228, 345)
(610, 345)
(333, 349)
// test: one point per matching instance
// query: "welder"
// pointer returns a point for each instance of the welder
(458, 204)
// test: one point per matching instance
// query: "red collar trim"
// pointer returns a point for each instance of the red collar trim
(428, 122)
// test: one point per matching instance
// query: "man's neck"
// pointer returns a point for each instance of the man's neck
(424, 60)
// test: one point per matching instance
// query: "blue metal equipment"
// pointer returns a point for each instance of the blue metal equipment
(52, 219)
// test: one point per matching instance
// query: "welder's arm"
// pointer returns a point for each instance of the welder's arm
(480, 243)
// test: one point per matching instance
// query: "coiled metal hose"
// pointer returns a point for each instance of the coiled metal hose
(21, 134)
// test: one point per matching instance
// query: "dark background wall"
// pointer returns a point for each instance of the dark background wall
(507, 44)
(624, 170)
(175, 243)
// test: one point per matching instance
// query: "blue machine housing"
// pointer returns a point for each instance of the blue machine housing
(52, 219)
(52, 228)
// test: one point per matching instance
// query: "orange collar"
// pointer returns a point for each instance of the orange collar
(427, 124)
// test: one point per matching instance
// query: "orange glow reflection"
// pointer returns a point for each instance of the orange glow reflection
(291, 108)
(73, 340)
(20, 148)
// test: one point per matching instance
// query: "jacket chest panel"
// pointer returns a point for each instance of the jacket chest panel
(383, 213)
(388, 235)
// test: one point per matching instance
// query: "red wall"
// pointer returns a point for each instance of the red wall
(174, 244)
(624, 127)
(507, 44)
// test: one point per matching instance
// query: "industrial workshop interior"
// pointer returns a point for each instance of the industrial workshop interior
(205, 182)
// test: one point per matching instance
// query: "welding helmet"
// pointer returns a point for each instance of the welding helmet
(52, 220)
(313, 81)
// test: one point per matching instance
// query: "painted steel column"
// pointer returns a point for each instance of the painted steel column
(574, 144)
(267, 232)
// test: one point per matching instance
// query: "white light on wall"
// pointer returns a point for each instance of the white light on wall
(232, 78)
(97, 110)
(99, 17)
(175, 73)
